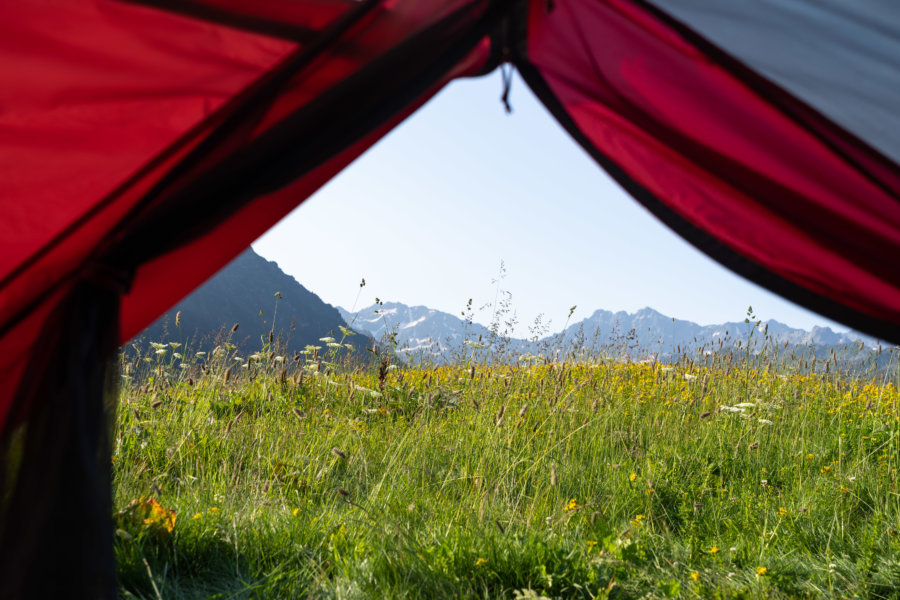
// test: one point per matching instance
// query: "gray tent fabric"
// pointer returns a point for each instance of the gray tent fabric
(842, 57)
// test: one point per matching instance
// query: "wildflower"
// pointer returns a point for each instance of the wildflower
(572, 505)
(198, 516)
(760, 571)
(632, 477)
(296, 511)
(782, 512)
(213, 509)
(765, 421)
(695, 575)
(480, 561)
(714, 550)
(637, 520)
(591, 544)
(810, 456)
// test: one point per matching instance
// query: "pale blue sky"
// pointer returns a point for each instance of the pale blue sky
(427, 214)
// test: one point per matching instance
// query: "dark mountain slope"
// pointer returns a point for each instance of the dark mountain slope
(244, 292)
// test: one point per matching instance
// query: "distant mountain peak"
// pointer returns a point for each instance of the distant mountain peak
(646, 330)
(244, 292)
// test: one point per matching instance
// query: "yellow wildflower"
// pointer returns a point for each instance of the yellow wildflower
(480, 561)
(158, 515)
(714, 550)
(632, 477)
(760, 571)
(695, 575)
(572, 505)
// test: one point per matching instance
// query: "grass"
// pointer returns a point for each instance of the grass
(297, 478)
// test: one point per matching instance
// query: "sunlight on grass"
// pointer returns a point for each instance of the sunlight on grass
(297, 476)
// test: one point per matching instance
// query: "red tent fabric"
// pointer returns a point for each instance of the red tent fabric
(145, 143)
(745, 171)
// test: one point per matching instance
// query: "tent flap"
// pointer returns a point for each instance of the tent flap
(146, 143)
(744, 170)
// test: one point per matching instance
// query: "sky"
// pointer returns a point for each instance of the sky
(428, 215)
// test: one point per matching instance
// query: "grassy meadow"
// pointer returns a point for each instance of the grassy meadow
(275, 476)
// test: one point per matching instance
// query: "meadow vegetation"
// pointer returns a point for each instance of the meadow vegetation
(275, 476)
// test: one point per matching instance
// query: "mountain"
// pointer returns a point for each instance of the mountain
(419, 331)
(255, 294)
(650, 332)
(429, 334)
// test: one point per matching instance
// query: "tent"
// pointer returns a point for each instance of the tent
(144, 143)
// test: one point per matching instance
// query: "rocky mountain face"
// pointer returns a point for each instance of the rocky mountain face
(415, 331)
(420, 332)
(652, 332)
(260, 298)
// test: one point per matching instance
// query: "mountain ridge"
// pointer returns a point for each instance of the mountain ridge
(257, 296)
(430, 332)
